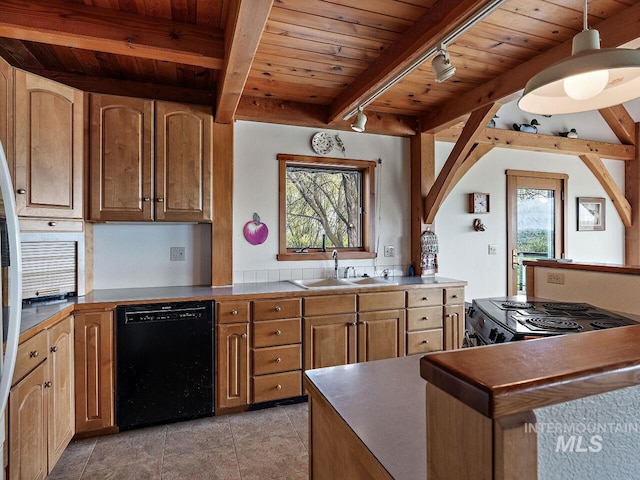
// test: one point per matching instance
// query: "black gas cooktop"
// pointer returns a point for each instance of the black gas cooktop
(505, 319)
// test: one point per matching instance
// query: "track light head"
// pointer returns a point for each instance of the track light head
(360, 121)
(441, 65)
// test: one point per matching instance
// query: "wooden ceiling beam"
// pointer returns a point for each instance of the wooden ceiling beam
(283, 112)
(111, 31)
(614, 31)
(465, 143)
(438, 21)
(621, 123)
(594, 163)
(245, 24)
(499, 137)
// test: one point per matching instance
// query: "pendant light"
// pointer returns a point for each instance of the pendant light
(591, 79)
(361, 120)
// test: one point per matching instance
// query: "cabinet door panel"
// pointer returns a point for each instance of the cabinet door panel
(232, 383)
(380, 335)
(61, 395)
(94, 370)
(121, 158)
(28, 426)
(453, 326)
(6, 114)
(329, 341)
(49, 148)
(183, 162)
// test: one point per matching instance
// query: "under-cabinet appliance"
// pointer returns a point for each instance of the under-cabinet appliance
(164, 363)
(508, 319)
(11, 311)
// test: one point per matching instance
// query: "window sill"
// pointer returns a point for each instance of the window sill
(288, 257)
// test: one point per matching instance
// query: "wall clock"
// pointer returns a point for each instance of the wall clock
(478, 203)
(322, 143)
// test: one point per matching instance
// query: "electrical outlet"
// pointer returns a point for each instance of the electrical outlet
(389, 250)
(177, 254)
(492, 249)
(555, 278)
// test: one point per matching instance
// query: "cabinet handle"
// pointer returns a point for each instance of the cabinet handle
(146, 199)
(278, 387)
(352, 324)
(52, 224)
(425, 341)
(425, 318)
(47, 384)
(278, 360)
(278, 332)
(362, 323)
(22, 191)
(425, 298)
(159, 199)
(234, 312)
(277, 309)
(54, 349)
(454, 296)
(34, 354)
(244, 335)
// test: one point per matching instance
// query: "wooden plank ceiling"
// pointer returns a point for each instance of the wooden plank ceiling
(304, 62)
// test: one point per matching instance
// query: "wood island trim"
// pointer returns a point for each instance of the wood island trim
(591, 267)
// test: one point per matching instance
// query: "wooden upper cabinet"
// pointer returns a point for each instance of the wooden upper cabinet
(183, 162)
(6, 113)
(121, 135)
(49, 138)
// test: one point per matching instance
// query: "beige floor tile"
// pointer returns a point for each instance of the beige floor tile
(260, 424)
(72, 462)
(271, 457)
(145, 470)
(197, 435)
(220, 463)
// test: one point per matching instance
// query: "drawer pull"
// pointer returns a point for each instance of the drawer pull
(425, 341)
(277, 309)
(146, 199)
(352, 324)
(234, 312)
(244, 335)
(159, 199)
(278, 387)
(22, 191)
(34, 354)
(278, 360)
(52, 224)
(454, 296)
(47, 384)
(278, 332)
(54, 349)
(425, 298)
(425, 318)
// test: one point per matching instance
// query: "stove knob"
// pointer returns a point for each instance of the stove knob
(493, 333)
(500, 338)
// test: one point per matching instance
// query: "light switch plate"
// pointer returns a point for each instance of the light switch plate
(492, 249)
(177, 254)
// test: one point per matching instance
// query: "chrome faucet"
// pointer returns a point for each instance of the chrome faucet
(334, 254)
(346, 272)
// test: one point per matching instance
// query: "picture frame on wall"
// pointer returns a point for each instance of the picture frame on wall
(591, 214)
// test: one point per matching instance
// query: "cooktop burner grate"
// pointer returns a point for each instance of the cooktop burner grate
(516, 305)
(608, 323)
(567, 307)
(559, 324)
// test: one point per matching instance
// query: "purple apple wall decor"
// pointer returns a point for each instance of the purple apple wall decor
(255, 231)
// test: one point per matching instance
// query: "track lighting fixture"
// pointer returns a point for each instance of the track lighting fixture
(590, 79)
(360, 121)
(441, 64)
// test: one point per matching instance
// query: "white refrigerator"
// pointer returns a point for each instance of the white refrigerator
(10, 315)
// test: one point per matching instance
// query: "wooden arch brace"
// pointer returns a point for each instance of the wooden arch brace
(465, 144)
(595, 164)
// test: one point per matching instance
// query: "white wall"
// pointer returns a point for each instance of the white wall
(137, 255)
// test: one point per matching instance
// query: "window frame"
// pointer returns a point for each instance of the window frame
(367, 169)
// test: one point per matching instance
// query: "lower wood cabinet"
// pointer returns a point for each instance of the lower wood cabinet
(380, 335)
(41, 402)
(94, 375)
(330, 340)
(232, 376)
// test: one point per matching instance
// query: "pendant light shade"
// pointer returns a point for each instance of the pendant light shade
(591, 79)
(360, 121)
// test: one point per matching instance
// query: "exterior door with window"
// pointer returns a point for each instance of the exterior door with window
(536, 215)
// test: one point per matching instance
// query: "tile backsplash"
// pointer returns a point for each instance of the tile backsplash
(284, 274)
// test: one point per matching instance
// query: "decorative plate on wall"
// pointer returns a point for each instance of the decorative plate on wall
(322, 143)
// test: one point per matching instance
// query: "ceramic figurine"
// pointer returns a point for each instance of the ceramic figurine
(570, 134)
(527, 127)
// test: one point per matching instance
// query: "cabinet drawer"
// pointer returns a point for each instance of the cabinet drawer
(57, 225)
(368, 302)
(424, 298)
(232, 312)
(453, 296)
(424, 318)
(276, 386)
(277, 359)
(423, 342)
(330, 305)
(30, 354)
(274, 309)
(277, 332)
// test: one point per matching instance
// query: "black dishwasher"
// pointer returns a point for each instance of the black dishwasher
(164, 363)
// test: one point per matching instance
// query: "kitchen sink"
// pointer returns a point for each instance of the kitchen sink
(341, 282)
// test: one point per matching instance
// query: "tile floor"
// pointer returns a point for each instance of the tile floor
(263, 444)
